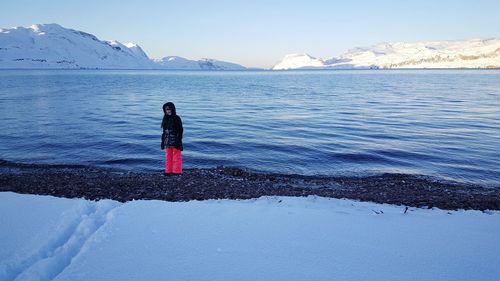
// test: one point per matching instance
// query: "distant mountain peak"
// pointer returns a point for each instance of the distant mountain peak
(131, 45)
(298, 60)
(46, 27)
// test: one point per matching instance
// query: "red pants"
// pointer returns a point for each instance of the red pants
(173, 160)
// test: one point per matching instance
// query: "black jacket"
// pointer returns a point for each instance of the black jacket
(172, 128)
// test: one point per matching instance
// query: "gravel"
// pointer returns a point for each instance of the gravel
(75, 181)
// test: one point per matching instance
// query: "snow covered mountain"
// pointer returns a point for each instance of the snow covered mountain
(174, 62)
(294, 61)
(53, 46)
(475, 53)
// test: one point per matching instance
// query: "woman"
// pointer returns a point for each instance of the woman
(172, 139)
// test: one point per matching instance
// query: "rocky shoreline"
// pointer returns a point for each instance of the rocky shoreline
(76, 181)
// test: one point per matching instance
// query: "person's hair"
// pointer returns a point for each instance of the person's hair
(171, 106)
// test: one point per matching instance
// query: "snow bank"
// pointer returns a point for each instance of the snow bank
(271, 238)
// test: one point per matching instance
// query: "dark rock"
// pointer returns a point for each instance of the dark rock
(75, 181)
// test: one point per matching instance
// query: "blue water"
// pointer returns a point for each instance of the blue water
(442, 123)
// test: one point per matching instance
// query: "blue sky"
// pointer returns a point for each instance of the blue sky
(259, 33)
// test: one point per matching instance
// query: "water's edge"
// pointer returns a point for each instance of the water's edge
(79, 181)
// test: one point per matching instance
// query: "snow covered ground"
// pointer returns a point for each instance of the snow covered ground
(271, 238)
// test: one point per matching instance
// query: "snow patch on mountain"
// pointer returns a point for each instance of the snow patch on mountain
(136, 49)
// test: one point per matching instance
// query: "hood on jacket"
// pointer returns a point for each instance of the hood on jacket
(171, 106)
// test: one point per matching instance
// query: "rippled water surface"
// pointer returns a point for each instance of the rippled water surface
(443, 123)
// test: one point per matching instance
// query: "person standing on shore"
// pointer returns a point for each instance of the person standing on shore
(171, 139)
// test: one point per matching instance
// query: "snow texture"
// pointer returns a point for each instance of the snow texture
(53, 46)
(270, 238)
(476, 53)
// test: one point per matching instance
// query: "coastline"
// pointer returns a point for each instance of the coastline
(77, 181)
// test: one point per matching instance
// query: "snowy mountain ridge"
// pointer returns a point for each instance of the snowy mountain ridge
(175, 62)
(475, 53)
(55, 47)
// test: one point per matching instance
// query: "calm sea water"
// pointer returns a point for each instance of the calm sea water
(442, 123)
